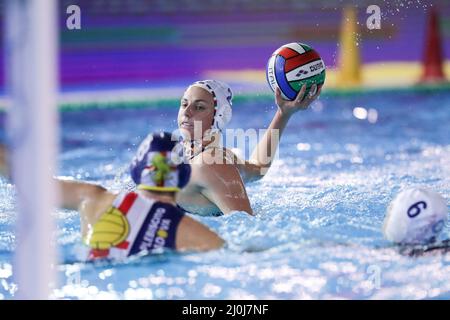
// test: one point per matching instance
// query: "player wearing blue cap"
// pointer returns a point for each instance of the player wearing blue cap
(146, 220)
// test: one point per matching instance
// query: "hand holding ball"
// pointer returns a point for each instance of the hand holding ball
(293, 65)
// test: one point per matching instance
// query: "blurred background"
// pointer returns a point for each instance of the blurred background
(165, 43)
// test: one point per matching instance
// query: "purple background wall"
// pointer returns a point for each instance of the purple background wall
(133, 42)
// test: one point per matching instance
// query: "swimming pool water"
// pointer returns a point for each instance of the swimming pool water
(317, 233)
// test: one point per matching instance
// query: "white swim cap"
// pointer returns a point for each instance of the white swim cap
(222, 96)
(415, 216)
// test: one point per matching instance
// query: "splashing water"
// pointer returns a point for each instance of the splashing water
(317, 234)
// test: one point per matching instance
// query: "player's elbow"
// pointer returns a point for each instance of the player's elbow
(255, 172)
(216, 242)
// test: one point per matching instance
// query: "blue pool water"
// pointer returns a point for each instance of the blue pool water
(317, 233)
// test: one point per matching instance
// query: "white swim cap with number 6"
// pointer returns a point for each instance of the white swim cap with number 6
(415, 216)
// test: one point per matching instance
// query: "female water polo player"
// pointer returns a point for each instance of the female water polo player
(217, 183)
(115, 226)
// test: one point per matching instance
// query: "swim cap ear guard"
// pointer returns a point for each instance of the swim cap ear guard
(415, 216)
(223, 97)
(157, 165)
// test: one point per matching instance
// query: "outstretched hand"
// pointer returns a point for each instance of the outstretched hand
(301, 102)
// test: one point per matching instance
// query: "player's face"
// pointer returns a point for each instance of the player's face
(196, 112)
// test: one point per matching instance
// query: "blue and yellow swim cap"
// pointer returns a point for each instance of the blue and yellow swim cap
(157, 165)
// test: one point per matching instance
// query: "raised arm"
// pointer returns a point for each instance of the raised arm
(263, 154)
